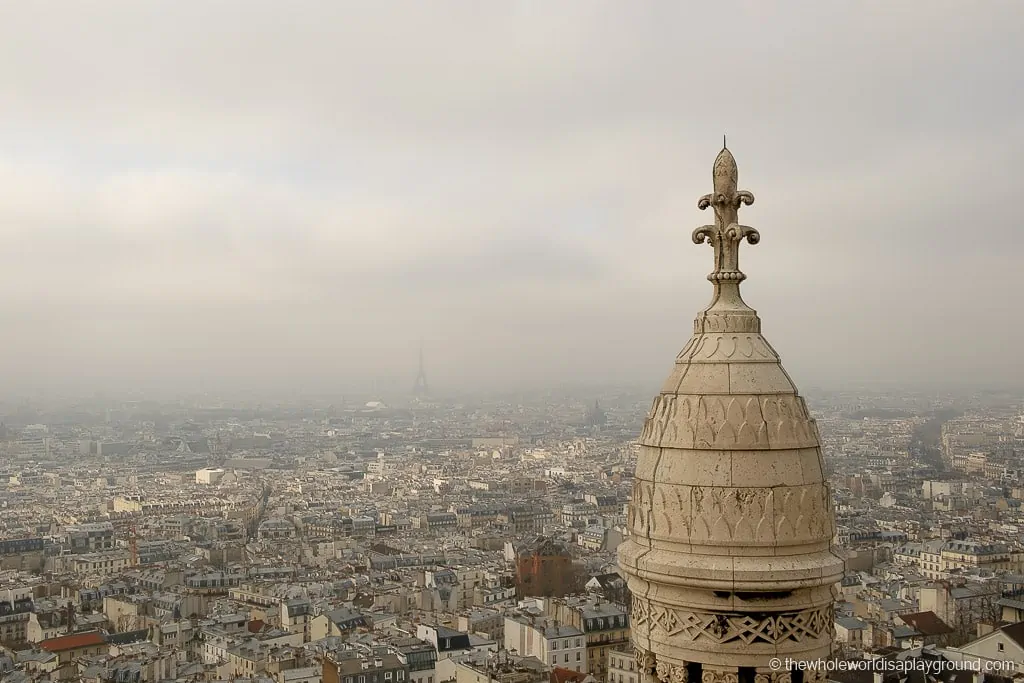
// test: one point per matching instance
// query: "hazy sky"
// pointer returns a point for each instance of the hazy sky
(212, 194)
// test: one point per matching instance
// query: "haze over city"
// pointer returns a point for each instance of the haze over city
(398, 342)
(223, 195)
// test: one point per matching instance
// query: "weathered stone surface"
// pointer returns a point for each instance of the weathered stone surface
(729, 516)
(729, 422)
(729, 556)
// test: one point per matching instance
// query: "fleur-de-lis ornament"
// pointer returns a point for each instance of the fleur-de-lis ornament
(726, 233)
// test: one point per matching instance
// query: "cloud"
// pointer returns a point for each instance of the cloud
(226, 191)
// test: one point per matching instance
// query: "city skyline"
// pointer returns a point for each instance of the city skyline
(352, 343)
(297, 204)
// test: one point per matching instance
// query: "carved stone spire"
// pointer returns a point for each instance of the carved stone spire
(725, 237)
(729, 557)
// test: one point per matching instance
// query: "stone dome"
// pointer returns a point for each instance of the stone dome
(729, 557)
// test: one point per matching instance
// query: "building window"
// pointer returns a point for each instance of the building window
(1000, 647)
(578, 656)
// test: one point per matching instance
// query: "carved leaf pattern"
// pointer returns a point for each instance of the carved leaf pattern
(713, 676)
(664, 519)
(672, 509)
(791, 517)
(678, 674)
(754, 524)
(702, 519)
(709, 323)
(729, 423)
(727, 514)
(639, 512)
(726, 348)
(685, 353)
(731, 516)
(803, 513)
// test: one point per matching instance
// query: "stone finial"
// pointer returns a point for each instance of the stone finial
(726, 234)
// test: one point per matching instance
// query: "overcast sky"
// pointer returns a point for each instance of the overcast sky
(207, 194)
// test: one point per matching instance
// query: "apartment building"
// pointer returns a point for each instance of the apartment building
(553, 642)
(622, 666)
(604, 624)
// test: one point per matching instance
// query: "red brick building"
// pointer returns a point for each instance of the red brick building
(545, 569)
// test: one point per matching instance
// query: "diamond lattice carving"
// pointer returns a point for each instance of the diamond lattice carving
(726, 628)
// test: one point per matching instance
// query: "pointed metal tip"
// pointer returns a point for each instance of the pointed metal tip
(724, 146)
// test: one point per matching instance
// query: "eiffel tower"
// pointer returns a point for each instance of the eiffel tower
(419, 387)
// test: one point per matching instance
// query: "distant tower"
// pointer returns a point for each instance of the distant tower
(419, 387)
(729, 557)
(595, 416)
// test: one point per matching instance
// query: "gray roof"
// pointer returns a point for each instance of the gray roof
(850, 623)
